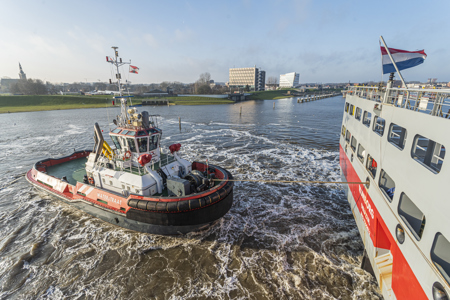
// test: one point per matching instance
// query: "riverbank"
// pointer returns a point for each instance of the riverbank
(272, 95)
(11, 104)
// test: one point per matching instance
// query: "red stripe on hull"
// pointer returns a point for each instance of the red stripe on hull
(404, 283)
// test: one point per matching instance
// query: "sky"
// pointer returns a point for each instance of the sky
(324, 40)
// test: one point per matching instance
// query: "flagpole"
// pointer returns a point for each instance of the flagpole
(393, 62)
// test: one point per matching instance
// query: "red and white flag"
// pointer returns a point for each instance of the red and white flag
(109, 59)
(134, 69)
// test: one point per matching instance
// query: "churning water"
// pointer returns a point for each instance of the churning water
(278, 241)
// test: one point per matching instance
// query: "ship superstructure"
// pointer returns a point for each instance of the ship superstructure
(395, 139)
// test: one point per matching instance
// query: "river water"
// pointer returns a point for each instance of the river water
(278, 241)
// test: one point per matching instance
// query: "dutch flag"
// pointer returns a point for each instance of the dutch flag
(403, 59)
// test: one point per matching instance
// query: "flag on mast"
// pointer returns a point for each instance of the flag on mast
(134, 69)
(403, 59)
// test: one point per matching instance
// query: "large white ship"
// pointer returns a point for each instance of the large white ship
(394, 139)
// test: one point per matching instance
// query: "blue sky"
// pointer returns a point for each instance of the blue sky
(324, 41)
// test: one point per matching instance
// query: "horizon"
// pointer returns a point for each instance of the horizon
(325, 42)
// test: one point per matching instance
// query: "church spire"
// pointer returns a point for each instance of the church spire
(22, 75)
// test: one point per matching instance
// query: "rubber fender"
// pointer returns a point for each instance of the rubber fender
(151, 205)
(215, 197)
(222, 193)
(161, 206)
(142, 204)
(133, 202)
(194, 203)
(183, 205)
(172, 206)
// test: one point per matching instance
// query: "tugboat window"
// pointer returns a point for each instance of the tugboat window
(116, 142)
(387, 185)
(142, 144)
(366, 118)
(397, 136)
(378, 125)
(371, 166)
(131, 145)
(440, 255)
(428, 153)
(153, 142)
(358, 114)
(412, 216)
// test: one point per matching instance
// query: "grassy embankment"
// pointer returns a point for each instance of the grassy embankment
(57, 102)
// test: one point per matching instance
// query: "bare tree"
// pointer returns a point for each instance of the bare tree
(272, 80)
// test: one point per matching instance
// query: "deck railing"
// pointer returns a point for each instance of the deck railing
(435, 102)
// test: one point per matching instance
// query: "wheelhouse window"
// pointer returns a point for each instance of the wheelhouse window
(361, 153)
(116, 142)
(142, 144)
(378, 125)
(358, 114)
(347, 136)
(397, 136)
(412, 216)
(440, 255)
(371, 166)
(353, 144)
(153, 142)
(131, 145)
(387, 185)
(428, 153)
(366, 118)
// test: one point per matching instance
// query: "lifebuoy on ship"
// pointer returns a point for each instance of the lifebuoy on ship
(91, 180)
(127, 155)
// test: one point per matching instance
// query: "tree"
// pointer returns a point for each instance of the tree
(272, 80)
(247, 88)
(29, 87)
(204, 89)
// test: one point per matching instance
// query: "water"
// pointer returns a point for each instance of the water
(278, 241)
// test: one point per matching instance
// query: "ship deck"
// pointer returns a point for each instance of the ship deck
(75, 170)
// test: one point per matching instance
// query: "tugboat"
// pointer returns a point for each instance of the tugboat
(133, 184)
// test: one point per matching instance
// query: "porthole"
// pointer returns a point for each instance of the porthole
(400, 234)
(439, 292)
(367, 185)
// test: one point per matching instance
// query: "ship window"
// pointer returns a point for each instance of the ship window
(343, 131)
(117, 130)
(353, 144)
(124, 132)
(371, 166)
(411, 215)
(142, 144)
(116, 142)
(428, 153)
(358, 114)
(110, 182)
(131, 133)
(131, 145)
(397, 136)
(153, 143)
(361, 153)
(366, 118)
(387, 185)
(440, 255)
(352, 110)
(378, 125)
(142, 132)
(347, 136)
(346, 106)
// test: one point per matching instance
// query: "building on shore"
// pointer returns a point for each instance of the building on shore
(289, 80)
(254, 78)
(6, 83)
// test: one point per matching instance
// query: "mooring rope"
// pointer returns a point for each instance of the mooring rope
(295, 181)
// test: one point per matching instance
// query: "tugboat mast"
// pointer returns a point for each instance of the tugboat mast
(117, 62)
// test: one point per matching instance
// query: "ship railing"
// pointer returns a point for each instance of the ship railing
(434, 102)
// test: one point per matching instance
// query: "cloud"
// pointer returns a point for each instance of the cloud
(151, 41)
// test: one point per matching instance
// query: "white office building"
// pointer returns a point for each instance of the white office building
(289, 80)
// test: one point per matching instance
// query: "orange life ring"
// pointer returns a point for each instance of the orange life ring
(91, 180)
(127, 155)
